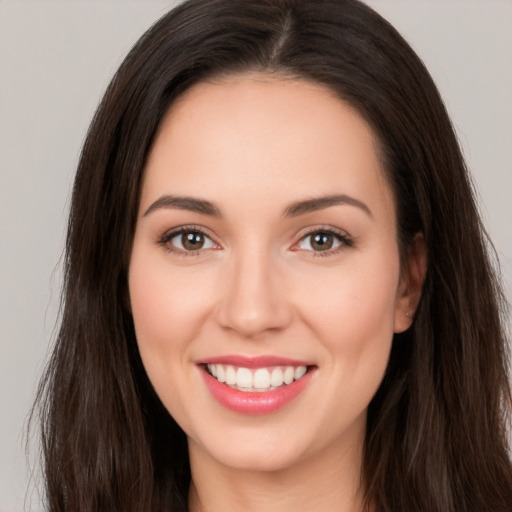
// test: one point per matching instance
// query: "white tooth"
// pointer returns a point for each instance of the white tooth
(276, 377)
(289, 373)
(300, 371)
(261, 379)
(230, 375)
(221, 376)
(244, 378)
(213, 369)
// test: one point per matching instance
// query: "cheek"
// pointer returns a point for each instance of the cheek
(352, 312)
(356, 296)
(167, 306)
(355, 327)
(165, 302)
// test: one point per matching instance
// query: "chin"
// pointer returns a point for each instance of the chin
(253, 450)
(258, 460)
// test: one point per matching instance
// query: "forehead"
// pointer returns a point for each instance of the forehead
(256, 135)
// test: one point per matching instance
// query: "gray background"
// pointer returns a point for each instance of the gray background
(56, 58)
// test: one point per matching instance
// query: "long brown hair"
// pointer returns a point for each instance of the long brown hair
(437, 428)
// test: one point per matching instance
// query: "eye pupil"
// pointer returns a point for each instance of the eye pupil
(322, 241)
(192, 240)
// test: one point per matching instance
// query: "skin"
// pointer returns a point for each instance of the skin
(252, 145)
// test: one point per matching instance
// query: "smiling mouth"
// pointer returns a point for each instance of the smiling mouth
(255, 385)
(256, 379)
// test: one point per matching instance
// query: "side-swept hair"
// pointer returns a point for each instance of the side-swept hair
(436, 436)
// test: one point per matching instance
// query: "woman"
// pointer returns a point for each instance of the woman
(277, 290)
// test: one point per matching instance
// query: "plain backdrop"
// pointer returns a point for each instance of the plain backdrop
(56, 58)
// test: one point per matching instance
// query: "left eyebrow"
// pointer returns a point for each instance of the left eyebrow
(190, 204)
(319, 203)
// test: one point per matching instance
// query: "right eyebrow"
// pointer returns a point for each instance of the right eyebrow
(319, 203)
(191, 204)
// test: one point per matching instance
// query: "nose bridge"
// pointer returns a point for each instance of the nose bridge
(253, 300)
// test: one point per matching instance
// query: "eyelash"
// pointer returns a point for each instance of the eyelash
(345, 241)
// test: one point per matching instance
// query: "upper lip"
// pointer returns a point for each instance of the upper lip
(253, 361)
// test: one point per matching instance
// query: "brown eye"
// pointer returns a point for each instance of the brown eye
(192, 240)
(323, 241)
(189, 240)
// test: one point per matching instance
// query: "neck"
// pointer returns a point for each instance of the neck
(328, 481)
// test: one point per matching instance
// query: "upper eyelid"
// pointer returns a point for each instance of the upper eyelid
(301, 234)
(169, 233)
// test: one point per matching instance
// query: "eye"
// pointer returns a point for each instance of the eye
(187, 240)
(323, 241)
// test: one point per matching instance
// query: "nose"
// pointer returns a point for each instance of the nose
(253, 299)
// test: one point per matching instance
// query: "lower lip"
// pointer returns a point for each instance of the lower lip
(256, 402)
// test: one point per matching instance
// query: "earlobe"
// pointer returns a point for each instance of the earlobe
(411, 284)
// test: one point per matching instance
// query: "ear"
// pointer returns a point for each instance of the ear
(411, 283)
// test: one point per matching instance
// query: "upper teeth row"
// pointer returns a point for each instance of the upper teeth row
(259, 378)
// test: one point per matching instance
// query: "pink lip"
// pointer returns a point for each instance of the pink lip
(258, 402)
(254, 361)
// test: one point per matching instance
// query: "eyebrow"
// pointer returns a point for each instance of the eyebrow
(294, 210)
(319, 203)
(184, 203)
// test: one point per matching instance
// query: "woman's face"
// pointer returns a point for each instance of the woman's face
(266, 247)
